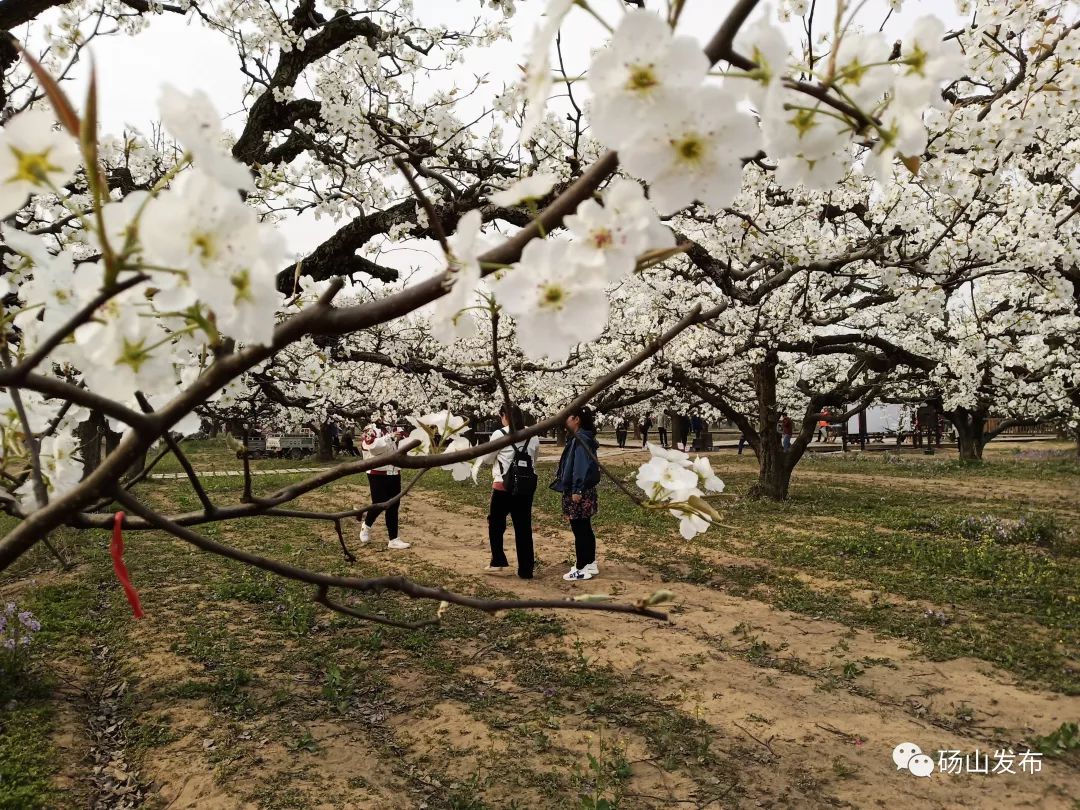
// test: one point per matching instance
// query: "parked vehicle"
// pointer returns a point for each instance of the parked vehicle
(254, 447)
(291, 445)
(879, 421)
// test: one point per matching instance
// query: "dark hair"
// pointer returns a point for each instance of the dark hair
(514, 417)
(585, 414)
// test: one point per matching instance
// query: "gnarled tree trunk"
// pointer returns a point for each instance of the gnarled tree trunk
(774, 464)
(970, 432)
(326, 445)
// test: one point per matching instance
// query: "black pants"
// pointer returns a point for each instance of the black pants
(663, 436)
(519, 508)
(644, 437)
(383, 488)
(620, 437)
(584, 542)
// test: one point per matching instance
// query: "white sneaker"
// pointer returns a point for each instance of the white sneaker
(365, 533)
(578, 575)
(395, 543)
(497, 570)
(593, 568)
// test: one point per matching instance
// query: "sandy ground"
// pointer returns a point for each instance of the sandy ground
(789, 739)
(809, 727)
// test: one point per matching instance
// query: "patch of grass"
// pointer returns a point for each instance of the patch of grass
(1063, 740)
(27, 758)
(1019, 465)
(843, 769)
(151, 732)
(1015, 595)
(249, 585)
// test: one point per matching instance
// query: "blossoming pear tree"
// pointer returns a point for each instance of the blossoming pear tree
(144, 282)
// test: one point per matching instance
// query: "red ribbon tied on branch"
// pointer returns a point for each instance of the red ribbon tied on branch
(116, 549)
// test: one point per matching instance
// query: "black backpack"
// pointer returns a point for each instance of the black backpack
(520, 479)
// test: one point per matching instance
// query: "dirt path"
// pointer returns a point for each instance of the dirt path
(740, 663)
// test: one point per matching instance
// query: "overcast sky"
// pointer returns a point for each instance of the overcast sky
(131, 69)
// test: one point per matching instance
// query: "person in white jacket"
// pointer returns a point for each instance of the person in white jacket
(384, 483)
(516, 504)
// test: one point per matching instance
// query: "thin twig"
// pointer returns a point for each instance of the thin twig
(759, 741)
(324, 600)
(374, 585)
(41, 493)
(196, 484)
(341, 539)
(434, 222)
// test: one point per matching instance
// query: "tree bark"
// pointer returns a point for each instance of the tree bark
(774, 464)
(970, 433)
(112, 440)
(89, 433)
(326, 447)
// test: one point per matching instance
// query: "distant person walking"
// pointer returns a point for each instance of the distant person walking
(620, 430)
(646, 426)
(682, 437)
(663, 427)
(384, 483)
(576, 478)
(823, 426)
(512, 489)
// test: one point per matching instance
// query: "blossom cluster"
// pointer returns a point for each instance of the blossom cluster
(557, 292)
(442, 432)
(675, 481)
(688, 134)
(163, 273)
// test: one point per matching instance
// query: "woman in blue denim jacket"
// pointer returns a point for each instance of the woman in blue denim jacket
(576, 479)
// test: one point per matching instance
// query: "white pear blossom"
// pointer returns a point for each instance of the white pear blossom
(764, 43)
(927, 61)
(443, 424)
(555, 303)
(609, 239)
(450, 320)
(34, 157)
(691, 524)
(195, 122)
(863, 68)
(643, 71)
(532, 187)
(698, 152)
(707, 478)
(461, 470)
(671, 477)
(61, 471)
(659, 477)
(215, 253)
(536, 83)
